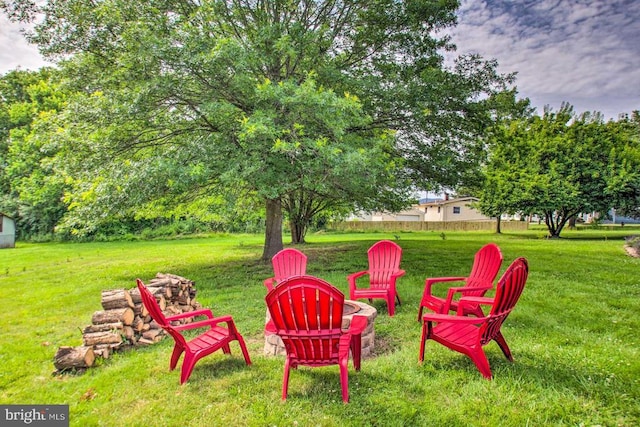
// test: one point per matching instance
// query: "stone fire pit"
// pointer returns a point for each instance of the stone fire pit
(273, 345)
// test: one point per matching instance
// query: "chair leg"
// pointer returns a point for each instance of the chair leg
(175, 356)
(480, 359)
(420, 312)
(344, 379)
(391, 305)
(285, 380)
(503, 346)
(243, 347)
(187, 366)
(226, 349)
(423, 340)
(356, 350)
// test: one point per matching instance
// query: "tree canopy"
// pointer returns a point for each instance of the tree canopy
(31, 188)
(306, 105)
(560, 165)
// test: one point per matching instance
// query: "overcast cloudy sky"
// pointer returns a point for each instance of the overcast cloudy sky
(585, 52)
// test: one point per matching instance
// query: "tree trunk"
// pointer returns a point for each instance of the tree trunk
(298, 231)
(550, 223)
(556, 221)
(498, 228)
(273, 233)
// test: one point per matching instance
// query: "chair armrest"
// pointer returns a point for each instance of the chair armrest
(394, 276)
(202, 312)
(208, 322)
(471, 301)
(398, 273)
(269, 283)
(351, 278)
(447, 318)
(358, 325)
(270, 327)
(477, 300)
(461, 289)
(430, 281)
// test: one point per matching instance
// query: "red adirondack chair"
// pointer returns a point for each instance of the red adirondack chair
(384, 270)
(307, 314)
(486, 265)
(214, 338)
(467, 334)
(286, 263)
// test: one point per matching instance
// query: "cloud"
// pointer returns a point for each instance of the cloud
(584, 52)
(15, 51)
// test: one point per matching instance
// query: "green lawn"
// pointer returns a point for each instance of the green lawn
(574, 336)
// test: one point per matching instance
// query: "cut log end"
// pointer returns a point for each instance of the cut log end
(67, 358)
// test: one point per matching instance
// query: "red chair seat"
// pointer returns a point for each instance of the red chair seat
(211, 340)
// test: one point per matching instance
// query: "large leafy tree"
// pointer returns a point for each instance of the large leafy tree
(308, 105)
(557, 166)
(624, 164)
(31, 186)
(495, 187)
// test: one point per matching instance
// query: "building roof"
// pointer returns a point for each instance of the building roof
(441, 202)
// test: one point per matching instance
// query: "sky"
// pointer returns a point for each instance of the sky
(584, 52)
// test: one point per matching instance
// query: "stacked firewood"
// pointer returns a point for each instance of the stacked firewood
(124, 322)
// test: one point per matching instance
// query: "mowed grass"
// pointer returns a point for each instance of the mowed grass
(574, 336)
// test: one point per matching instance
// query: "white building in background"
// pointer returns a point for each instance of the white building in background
(447, 210)
(411, 214)
(435, 210)
(7, 231)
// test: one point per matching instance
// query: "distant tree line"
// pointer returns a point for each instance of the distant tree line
(560, 164)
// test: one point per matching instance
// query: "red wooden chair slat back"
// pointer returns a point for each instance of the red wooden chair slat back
(486, 264)
(307, 311)
(384, 259)
(508, 291)
(288, 263)
(306, 303)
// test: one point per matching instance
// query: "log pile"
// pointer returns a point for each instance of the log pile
(124, 322)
